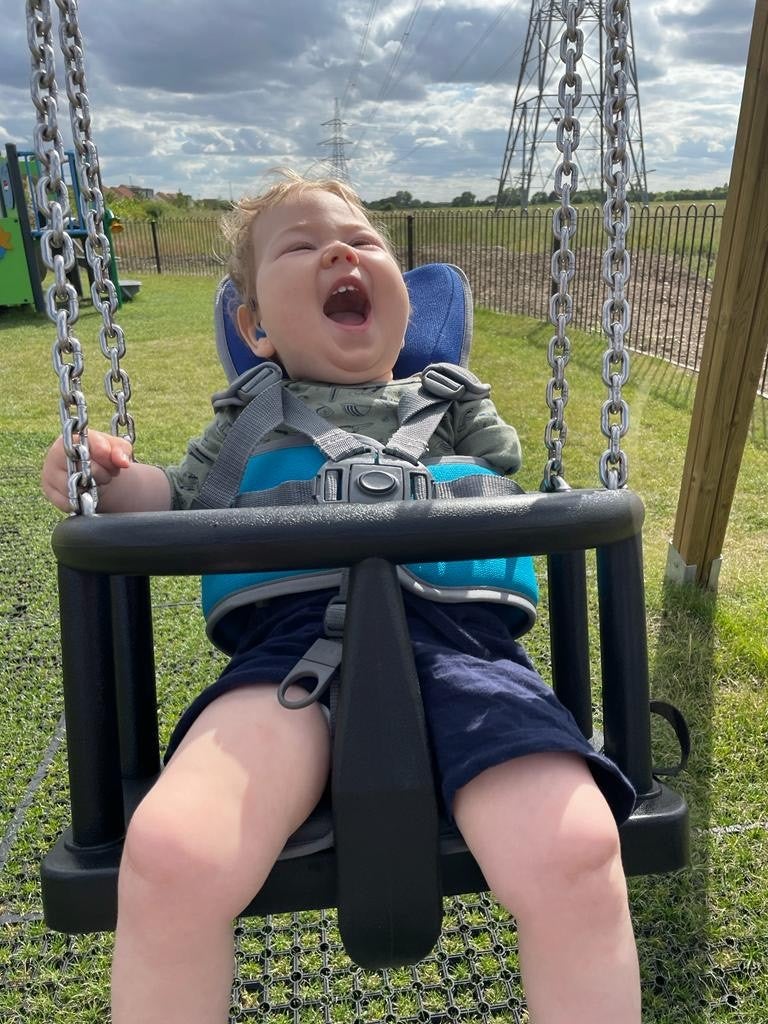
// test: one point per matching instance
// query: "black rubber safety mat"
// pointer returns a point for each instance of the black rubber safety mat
(293, 969)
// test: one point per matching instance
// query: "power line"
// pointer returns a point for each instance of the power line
(424, 36)
(386, 85)
(457, 110)
(454, 74)
(496, 21)
(352, 80)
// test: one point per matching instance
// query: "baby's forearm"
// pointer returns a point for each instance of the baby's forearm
(137, 488)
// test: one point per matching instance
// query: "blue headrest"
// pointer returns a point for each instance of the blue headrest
(439, 330)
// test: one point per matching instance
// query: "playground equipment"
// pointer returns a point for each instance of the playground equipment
(386, 881)
(23, 224)
(19, 270)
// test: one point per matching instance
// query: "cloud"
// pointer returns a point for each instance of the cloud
(183, 94)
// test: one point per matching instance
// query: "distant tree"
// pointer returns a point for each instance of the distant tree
(213, 204)
(401, 200)
(687, 195)
(588, 195)
(182, 201)
(509, 197)
(465, 199)
(155, 209)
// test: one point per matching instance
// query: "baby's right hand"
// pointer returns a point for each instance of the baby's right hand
(109, 455)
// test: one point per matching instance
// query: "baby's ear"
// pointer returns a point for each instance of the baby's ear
(252, 335)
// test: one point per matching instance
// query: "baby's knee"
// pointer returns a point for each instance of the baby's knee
(578, 863)
(165, 852)
(585, 850)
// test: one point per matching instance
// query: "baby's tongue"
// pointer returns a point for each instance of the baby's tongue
(347, 317)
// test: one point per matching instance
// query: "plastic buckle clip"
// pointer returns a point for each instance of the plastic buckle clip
(440, 384)
(319, 663)
(360, 482)
(453, 383)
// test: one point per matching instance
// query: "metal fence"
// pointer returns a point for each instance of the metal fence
(172, 246)
(507, 258)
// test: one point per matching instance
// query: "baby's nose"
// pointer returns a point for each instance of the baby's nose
(339, 251)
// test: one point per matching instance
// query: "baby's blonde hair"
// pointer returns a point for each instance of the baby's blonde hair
(238, 223)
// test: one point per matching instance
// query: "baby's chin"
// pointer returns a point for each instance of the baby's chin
(373, 377)
(353, 368)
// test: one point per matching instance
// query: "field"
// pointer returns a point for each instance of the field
(671, 228)
(702, 933)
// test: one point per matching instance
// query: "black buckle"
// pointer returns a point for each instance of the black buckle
(371, 481)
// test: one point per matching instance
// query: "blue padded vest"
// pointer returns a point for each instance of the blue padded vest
(509, 583)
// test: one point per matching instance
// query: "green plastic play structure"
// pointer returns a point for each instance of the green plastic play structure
(21, 225)
(19, 273)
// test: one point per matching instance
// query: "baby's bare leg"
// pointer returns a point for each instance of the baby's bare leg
(201, 845)
(548, 846)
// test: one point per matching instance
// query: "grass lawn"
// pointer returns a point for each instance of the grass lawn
(702, 933)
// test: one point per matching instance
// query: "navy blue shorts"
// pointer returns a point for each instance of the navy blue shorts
(483, 700)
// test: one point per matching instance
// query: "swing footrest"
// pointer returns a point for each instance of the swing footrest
(79, 886)
(655, 838)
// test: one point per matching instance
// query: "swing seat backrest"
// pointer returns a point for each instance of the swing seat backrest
(439, 329)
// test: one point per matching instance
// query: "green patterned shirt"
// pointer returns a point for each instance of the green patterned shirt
(472, 428)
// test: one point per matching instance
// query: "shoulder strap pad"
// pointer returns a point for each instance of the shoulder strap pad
(247, 386)
(454, 383)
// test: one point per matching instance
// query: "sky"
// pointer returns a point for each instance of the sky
(207, 98)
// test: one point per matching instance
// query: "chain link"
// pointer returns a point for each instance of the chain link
(563, 259)
(103, 292)
(616, 318)
(57, 250)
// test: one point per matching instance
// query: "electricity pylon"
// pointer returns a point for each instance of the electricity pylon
(337, 142)
(530, 147)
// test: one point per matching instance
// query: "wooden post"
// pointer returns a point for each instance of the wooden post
(735, 341)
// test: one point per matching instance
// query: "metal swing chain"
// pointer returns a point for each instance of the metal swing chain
(563, 259)
(58, 254)
(614, 468)
(103, 292)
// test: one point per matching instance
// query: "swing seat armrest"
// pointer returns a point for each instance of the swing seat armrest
(301, 537)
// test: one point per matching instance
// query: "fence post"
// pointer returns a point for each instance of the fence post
(153, 227)
(409, 243)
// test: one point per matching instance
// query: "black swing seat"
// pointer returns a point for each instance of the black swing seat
(392, 860)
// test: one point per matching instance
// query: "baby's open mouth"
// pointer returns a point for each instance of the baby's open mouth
(347, 303)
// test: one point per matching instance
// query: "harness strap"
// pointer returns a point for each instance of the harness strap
(477, 486)
(275, 407)
(257, 419)
(243, 388)
(419, 412)
(333, 442)
(292, 492)
(302, 492)
(321, 662)
(411, 439)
